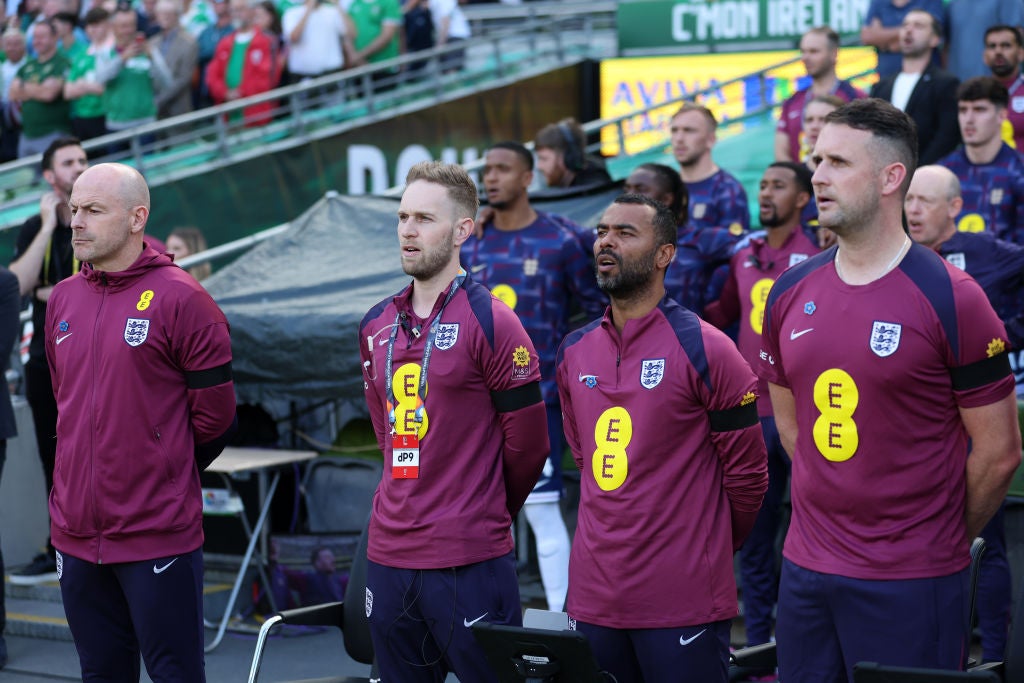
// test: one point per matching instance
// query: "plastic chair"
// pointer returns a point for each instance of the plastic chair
(349, 616)
(338, 492)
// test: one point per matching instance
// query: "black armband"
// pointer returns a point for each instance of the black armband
(511, 400)
(732, 419)
(980, 373)
(211, 377)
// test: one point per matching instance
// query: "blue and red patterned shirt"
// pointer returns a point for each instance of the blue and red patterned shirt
(993, 193)
(701, 266)
(543, 273)
(719, 201)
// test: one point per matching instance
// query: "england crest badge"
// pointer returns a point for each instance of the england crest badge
(885, 338)
(136, 330)
(447, 335)
(369, 602)
(651, 372)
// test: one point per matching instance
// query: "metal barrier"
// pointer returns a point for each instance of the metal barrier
(551, 35)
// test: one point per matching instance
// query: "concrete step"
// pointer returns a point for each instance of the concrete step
(38, 612)
(37, 619)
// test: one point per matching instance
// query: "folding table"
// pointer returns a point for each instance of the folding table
(235, 461)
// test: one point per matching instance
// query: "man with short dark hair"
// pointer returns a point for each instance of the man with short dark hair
(562, 156)
(453, 388)
(923, 90)
(991, 173)
(819, 51)
(966, 22)
(1004, 52)
(785, 190)
(532, 262)
(886, 365)
(38, 89)
(43, 257)
(651, 587)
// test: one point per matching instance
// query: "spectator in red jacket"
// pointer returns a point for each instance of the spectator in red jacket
(260, 69)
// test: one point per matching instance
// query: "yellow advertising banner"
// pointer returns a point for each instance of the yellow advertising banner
(635, 83)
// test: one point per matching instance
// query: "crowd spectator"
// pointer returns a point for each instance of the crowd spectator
(15, 57)
(38, 89)
(819, 51)
(966, 23)
(68, 41)
(882, 29)
(266, 19)
(187, 241)
(1004, 52)
(923, 90)
(562, 158)
(145, 11)
(319, 37)
(198, 16)
(130, 75)
(83, 87)
(179, 52)
(376, 31)
(208, 40)
(450, 27)
(247, 63)
(323, 583)
(418, 31)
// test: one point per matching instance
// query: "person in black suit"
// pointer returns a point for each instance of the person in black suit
(10, 302)
(924, 91)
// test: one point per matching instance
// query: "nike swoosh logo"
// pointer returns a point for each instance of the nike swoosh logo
(795, 335)
(58, 340)
(686, 641)
(747, 264)
(467, 623)
(160, 570)
(477, 268)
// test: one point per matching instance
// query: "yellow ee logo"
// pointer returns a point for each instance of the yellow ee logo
(758, 297)
(406, 383)
(506, 295)
(972, 222)
(612, 433)
(835, 433)
(144, 300)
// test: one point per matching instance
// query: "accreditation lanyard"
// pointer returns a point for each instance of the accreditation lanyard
(421, 392)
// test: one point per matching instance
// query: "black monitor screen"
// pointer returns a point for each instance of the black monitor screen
(529, 654)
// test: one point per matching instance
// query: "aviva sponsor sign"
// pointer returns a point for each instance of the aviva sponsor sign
(634, 83)
(653, 26)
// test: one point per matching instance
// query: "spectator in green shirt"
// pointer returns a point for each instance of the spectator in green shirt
(83, 87)
(376, 23)
(38, 86)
